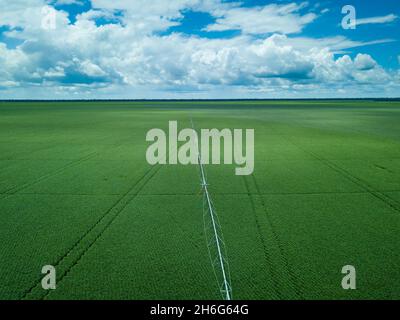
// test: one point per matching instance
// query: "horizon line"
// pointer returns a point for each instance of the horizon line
(185, 100)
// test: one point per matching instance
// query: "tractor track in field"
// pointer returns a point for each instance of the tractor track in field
(395, 205)
(292, 276)
(11, 191)
(262, 239)
(278, 242)
(392, 203)
(274, 234)
(118, 206)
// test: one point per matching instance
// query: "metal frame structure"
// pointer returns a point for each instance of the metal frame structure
(213, 232)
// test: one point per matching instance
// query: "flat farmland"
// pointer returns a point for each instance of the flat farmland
(76, 192)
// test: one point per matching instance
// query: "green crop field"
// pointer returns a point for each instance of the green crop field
(76, 192)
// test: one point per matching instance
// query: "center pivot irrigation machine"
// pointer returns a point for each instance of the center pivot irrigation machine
(213, 233)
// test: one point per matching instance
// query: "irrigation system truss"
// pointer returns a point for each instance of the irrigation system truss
(213, 232)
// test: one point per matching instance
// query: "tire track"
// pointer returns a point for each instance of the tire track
(395, 205)
(263, 242)
(11, 191)
(392, 203)
(80, 248)
(292, 277)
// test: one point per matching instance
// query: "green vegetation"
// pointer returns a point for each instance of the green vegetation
(76, 192)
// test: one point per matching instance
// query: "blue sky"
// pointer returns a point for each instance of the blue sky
(60, 49)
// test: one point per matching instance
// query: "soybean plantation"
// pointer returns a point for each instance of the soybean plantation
(77, 193)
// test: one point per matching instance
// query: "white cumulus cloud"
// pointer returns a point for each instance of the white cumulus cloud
(91, 60)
